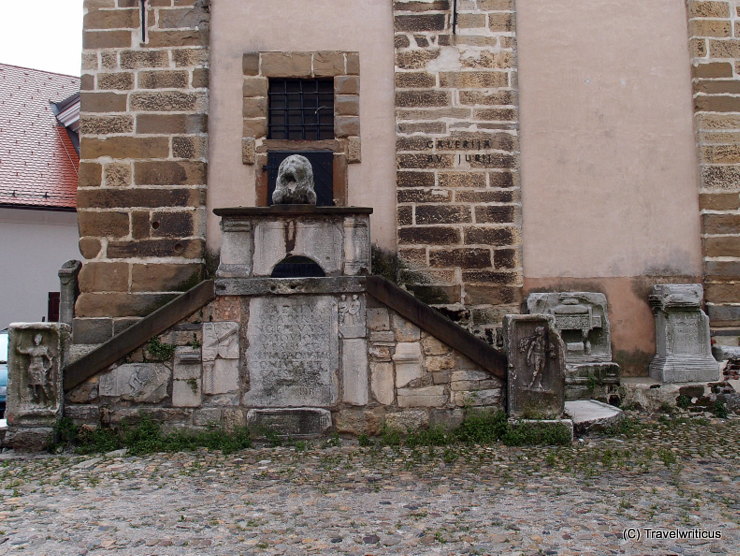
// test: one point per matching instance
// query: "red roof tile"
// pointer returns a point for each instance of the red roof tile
(38, 162)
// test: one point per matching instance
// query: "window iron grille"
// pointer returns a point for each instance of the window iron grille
(301, 109)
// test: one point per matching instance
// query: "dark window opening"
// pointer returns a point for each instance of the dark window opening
(301, 109)
(322, 164)
(297, 267)
(52, 307)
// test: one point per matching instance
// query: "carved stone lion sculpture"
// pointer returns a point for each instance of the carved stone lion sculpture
(294, 184)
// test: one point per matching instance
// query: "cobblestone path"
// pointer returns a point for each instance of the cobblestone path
(673, 477)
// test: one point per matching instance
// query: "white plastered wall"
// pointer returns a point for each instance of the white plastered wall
(35, 245)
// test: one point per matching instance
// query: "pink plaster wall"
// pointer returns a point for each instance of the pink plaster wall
(609, 171)
(239, 26)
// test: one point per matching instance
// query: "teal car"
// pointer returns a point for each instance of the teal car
(3, 370)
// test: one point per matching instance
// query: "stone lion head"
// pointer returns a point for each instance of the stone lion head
(294, 184)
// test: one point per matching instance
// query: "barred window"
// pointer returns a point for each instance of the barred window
(301, 109)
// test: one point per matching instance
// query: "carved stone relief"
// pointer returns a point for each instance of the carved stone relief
(536, 354)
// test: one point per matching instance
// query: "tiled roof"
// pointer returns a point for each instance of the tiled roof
(38, 162)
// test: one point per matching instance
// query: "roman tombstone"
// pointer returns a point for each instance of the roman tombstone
(36, 354)
(682, 339)
(293, 353)
(536, 378)
(581, 319)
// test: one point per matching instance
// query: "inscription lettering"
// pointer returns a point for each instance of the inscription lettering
(292, 355)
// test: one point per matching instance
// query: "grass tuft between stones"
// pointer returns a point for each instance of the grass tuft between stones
(479, 427)
(146, 437)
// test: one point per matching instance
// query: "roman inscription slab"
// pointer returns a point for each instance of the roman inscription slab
(293, 353)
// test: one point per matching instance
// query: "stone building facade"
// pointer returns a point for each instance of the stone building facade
(714, 28)
(505, 146)
(143, 164)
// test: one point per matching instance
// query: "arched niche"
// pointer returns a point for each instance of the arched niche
(295, 266)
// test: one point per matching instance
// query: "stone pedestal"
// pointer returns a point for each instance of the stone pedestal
(682, 340)
(68, 290)
(36, 353)
(536, 381)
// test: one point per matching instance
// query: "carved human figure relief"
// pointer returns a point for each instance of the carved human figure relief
(137, 382)
(349, 310)
(294, 184)
(38, 370)
(536, 349)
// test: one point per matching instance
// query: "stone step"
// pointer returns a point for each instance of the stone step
(591, 414)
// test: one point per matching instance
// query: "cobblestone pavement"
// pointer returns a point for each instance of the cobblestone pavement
(672, 477)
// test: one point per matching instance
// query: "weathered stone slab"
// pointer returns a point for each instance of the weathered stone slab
(136, 382)
(293, 354)
(220, 355)
(236, 249)
(291, 286)
(358, 420)
(592, 414)
(477, 398)
(536, 381)
(356, 246)
(405, 331)
(426, 396)
(408, 362)
(36, 353)
(378, 319)
(297, 422)
(682, 338)
(381, 382)
(409, 420)
(354, 371)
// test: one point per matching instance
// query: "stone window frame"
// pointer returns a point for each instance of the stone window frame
(258, 68)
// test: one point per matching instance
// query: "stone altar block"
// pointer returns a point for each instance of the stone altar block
(293, 353)
(256, 239)
(581, 319)
(683, 349)
(536, 381)
(36, 353)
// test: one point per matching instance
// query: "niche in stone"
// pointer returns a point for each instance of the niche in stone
(297, 267)
(322, 163)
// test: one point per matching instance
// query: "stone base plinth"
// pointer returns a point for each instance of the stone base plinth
(300, 422)
(28, 439)
(673, 369)
(582, 379)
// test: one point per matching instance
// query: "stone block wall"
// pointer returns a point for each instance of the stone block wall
(141, 196)
(459, 208)
(714, 29)
(215, 368)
